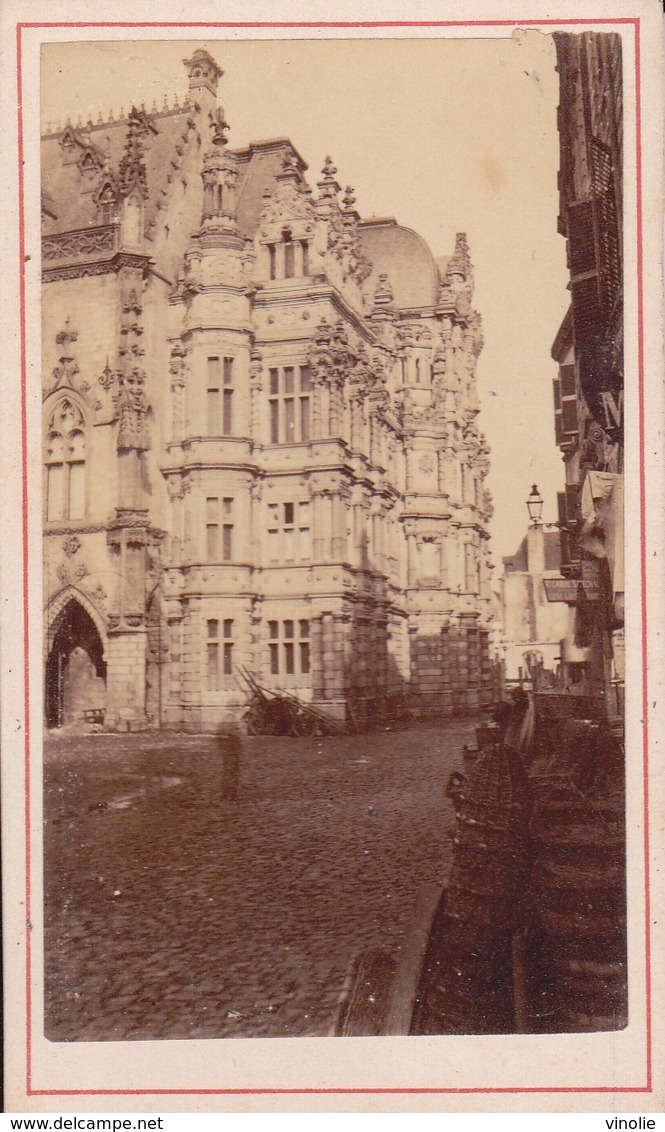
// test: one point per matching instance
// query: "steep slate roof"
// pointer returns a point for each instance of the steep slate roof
(394, 250)
(258, 165)
(402, 255)
(63, 182)
(518, 562)
(71, 198)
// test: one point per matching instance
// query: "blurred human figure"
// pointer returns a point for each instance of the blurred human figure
(229, 743)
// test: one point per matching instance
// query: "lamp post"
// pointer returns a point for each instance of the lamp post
(535, 506)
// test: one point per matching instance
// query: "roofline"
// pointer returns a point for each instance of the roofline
(88, 128)
(564, 336)
(380, 222)
(269, 143)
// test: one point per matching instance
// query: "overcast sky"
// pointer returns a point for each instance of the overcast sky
(444, 135)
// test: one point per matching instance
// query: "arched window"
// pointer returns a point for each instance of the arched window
(65, 462)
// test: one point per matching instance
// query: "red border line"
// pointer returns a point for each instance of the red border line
(643, 544)
(332, 24)
(24, 548)
(321, 1092)
(635, 22)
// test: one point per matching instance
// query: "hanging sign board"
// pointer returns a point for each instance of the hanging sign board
(565, 589)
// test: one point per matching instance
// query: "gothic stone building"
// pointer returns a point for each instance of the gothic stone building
(261, 438)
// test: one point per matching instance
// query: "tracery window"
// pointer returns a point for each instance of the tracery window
(220, 397)
(288, 648)
(65, 462)
(289, 532)
(219, 523)
(213, 652)
(290, 418)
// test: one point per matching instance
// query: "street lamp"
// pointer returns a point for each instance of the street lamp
(535, 506)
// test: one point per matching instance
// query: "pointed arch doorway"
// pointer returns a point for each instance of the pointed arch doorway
(75, 667)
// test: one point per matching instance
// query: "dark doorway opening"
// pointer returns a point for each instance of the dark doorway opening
(75, 669)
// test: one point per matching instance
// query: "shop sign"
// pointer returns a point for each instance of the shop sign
(565, 589)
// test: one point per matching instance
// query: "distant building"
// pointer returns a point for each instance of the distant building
(533, 628)
(261, 437)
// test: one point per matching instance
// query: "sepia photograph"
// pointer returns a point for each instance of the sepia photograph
(288, 692)
(332, 694)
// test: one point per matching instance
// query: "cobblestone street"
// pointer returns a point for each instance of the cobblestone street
(172, 913)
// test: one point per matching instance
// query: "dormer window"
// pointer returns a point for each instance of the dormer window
(68, 139)
(107, 203)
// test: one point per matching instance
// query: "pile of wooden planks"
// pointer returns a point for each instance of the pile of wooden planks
(279, 713)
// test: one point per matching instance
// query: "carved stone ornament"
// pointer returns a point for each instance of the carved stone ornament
(345, 245)
(332, 356)
(108, 265)
(219, 127)
(383, 293)
(177, 366)
(132, 171)
(287, 203)
(132, 408)
(82, 242)
(70, 576)
(457, 286)
(99, 594)
(256, 368)
(66, 372)
(107, 377)
(71, 545)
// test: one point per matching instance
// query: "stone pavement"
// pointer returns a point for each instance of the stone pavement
(173, 913)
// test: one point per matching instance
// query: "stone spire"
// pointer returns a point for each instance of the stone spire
(328, 188)
(383, 304)
(456, 290)
(132, 172)
(460, 262)
(220, 178)
(203, 72)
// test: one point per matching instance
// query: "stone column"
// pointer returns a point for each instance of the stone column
(339, 537)
(411, 559)
(324, 391)
(327, 526)
(316, 662)
(256, 526)
(335, 414)
(317, 424)
(256, 398)
(327, 654)
(378, 555)
(125, 684)
(446, 692)
(355, 438)
(173, 670)
(317, 527)
(443, 558)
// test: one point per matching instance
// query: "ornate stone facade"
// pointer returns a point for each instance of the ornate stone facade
(265, 440)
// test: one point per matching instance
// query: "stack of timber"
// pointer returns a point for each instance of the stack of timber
(278, 713)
